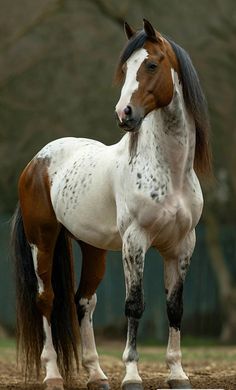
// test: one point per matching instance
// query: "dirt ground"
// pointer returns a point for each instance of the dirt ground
(208, 368)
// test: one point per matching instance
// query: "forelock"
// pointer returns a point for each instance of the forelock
(136, 42)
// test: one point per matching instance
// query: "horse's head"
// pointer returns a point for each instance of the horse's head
(145, 66)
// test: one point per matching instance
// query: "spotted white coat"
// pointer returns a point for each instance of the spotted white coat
(111, 202)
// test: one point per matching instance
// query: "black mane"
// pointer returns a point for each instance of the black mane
(196, 104)
(136, 42)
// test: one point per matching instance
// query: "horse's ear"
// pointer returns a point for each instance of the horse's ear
(149, 30)
(129, 31)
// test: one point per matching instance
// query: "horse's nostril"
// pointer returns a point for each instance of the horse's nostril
(127, 110)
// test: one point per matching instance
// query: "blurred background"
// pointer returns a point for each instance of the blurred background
(57, 60)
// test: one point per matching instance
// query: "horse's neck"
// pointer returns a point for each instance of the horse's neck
(167, 139)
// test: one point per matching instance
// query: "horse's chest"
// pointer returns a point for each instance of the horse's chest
(174, 220)
(169, 211)
(166, 213)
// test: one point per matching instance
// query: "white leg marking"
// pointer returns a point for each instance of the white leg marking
(49, 356)
(132, 374)
(89, 353)
(34, 251)
(131, 83)
(173, 356)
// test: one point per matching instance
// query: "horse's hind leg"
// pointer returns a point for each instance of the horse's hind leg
(42, 230)
(42, 252)
(43, 258)
(93, 269)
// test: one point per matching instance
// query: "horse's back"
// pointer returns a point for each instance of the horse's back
(62, 149)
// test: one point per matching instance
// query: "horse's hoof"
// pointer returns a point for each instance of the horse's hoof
(101, 384)
(54, 384)
(179, 384)
(132, 386)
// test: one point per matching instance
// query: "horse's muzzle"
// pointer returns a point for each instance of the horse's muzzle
(131, 119)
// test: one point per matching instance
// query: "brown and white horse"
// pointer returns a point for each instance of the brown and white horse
(141, 192)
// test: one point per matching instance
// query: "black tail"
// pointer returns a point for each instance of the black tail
(64, 323)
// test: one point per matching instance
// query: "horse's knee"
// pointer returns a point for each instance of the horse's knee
(134, 304)
(89, 358)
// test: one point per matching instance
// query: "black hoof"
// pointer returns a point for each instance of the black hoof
(132, 386)
(101, 384)
(179, 384)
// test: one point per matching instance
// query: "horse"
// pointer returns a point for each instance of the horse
(139, 193)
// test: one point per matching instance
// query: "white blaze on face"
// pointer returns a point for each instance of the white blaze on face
(131, 84)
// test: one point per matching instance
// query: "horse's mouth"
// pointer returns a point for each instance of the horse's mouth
(130, 125)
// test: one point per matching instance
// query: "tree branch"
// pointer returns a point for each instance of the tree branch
(108, 11)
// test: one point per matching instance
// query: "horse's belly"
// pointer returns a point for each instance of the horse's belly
(108, 238)
(94, 229)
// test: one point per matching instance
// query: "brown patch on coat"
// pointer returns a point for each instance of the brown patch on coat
(54, 267)
(93, 269)
(40, 224)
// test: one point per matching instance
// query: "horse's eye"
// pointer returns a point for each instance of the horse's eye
(151, 66)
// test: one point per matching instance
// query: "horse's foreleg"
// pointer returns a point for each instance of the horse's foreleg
(175, 271)
(93, 270)
(134, 248)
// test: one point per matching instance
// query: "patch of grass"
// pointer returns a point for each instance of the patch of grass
(113, 352)
(152, 357)
(197, 353)
(210, 352)
(7, 343)
(7, 349)
(186, 341)
(189, 341)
